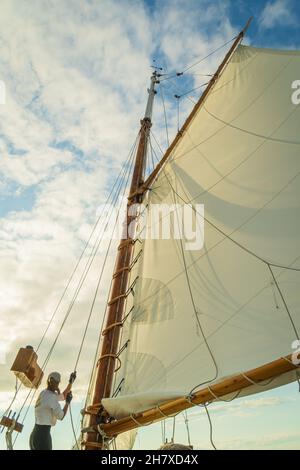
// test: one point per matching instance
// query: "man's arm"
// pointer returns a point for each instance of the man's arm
(67, 390)
(69, 386)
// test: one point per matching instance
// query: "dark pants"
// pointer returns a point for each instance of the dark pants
(40, 438)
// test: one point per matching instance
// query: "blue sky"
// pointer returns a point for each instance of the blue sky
(76, 83)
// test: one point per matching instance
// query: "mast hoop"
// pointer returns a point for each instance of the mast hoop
(110, 327)
(112, 356)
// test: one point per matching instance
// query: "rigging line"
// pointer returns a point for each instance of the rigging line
(98, 345)
(193, 89)
(152, 148)
(178, 90)
(97, 350)
(244, 304)
(261, 259)
(274, 78)
(193, 301)
(81, 282)
(114, 331)
(174, 426)
(189, 202)
(188, 67)
(210, 428)
(186, 421)
(162, 432)
(88, 241)
(229, 237)
(117, 181)
(121, 287)
(165, 114)
(98, 284)
(261, 136)
(76, 293)
(214, 246)
(72, 425)
(284, 303)
(17, 388)
(151, 153)
(178, 114)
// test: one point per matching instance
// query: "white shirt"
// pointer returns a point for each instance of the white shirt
(48, 409)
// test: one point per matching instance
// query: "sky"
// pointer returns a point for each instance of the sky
(76, 74)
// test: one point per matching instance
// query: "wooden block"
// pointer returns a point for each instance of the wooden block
(7, 422)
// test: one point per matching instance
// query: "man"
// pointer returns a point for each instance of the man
(48, 411)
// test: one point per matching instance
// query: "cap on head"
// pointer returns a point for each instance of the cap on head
(55, 376)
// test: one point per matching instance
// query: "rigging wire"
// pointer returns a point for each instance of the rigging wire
(165, 114)
(87, 267)
(210, 427)
(174, 429)
(116, 183)
(284, 303)
(81, 283)
(188, 280)
(191, 91)
(73, 428)
(186, 421)
(101, 274)
(97, 288)
(123, 288)
(188, 67)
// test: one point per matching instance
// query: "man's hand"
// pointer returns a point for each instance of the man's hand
(69, 398)
(72, 378)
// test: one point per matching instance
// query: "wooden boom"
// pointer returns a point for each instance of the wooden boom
(206, 395)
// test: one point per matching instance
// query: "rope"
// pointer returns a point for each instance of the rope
(73, 428)
(191, 91)
(174, 428)
(165, 114)
(118, 182)
(210, 428)
(82, 279)
(284, 302)
(193, 302)
(97, 287)
(188, 67)
(189, 399)
(187, 428)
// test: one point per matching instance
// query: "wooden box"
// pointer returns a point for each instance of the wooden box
(27, 370)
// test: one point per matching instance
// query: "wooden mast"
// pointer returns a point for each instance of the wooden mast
(106, 365)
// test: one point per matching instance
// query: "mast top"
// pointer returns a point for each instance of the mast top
(151, 93)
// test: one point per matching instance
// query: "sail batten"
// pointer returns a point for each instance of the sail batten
(201, 315)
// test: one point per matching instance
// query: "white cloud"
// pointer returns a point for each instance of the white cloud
(278, 12)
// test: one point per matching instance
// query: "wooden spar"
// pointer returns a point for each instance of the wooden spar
(197, 106)
(106, 365)
(206, 395)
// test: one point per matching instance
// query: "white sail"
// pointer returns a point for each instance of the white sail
(202, 315)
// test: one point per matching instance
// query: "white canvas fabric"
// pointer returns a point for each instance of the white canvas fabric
(240, 157)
